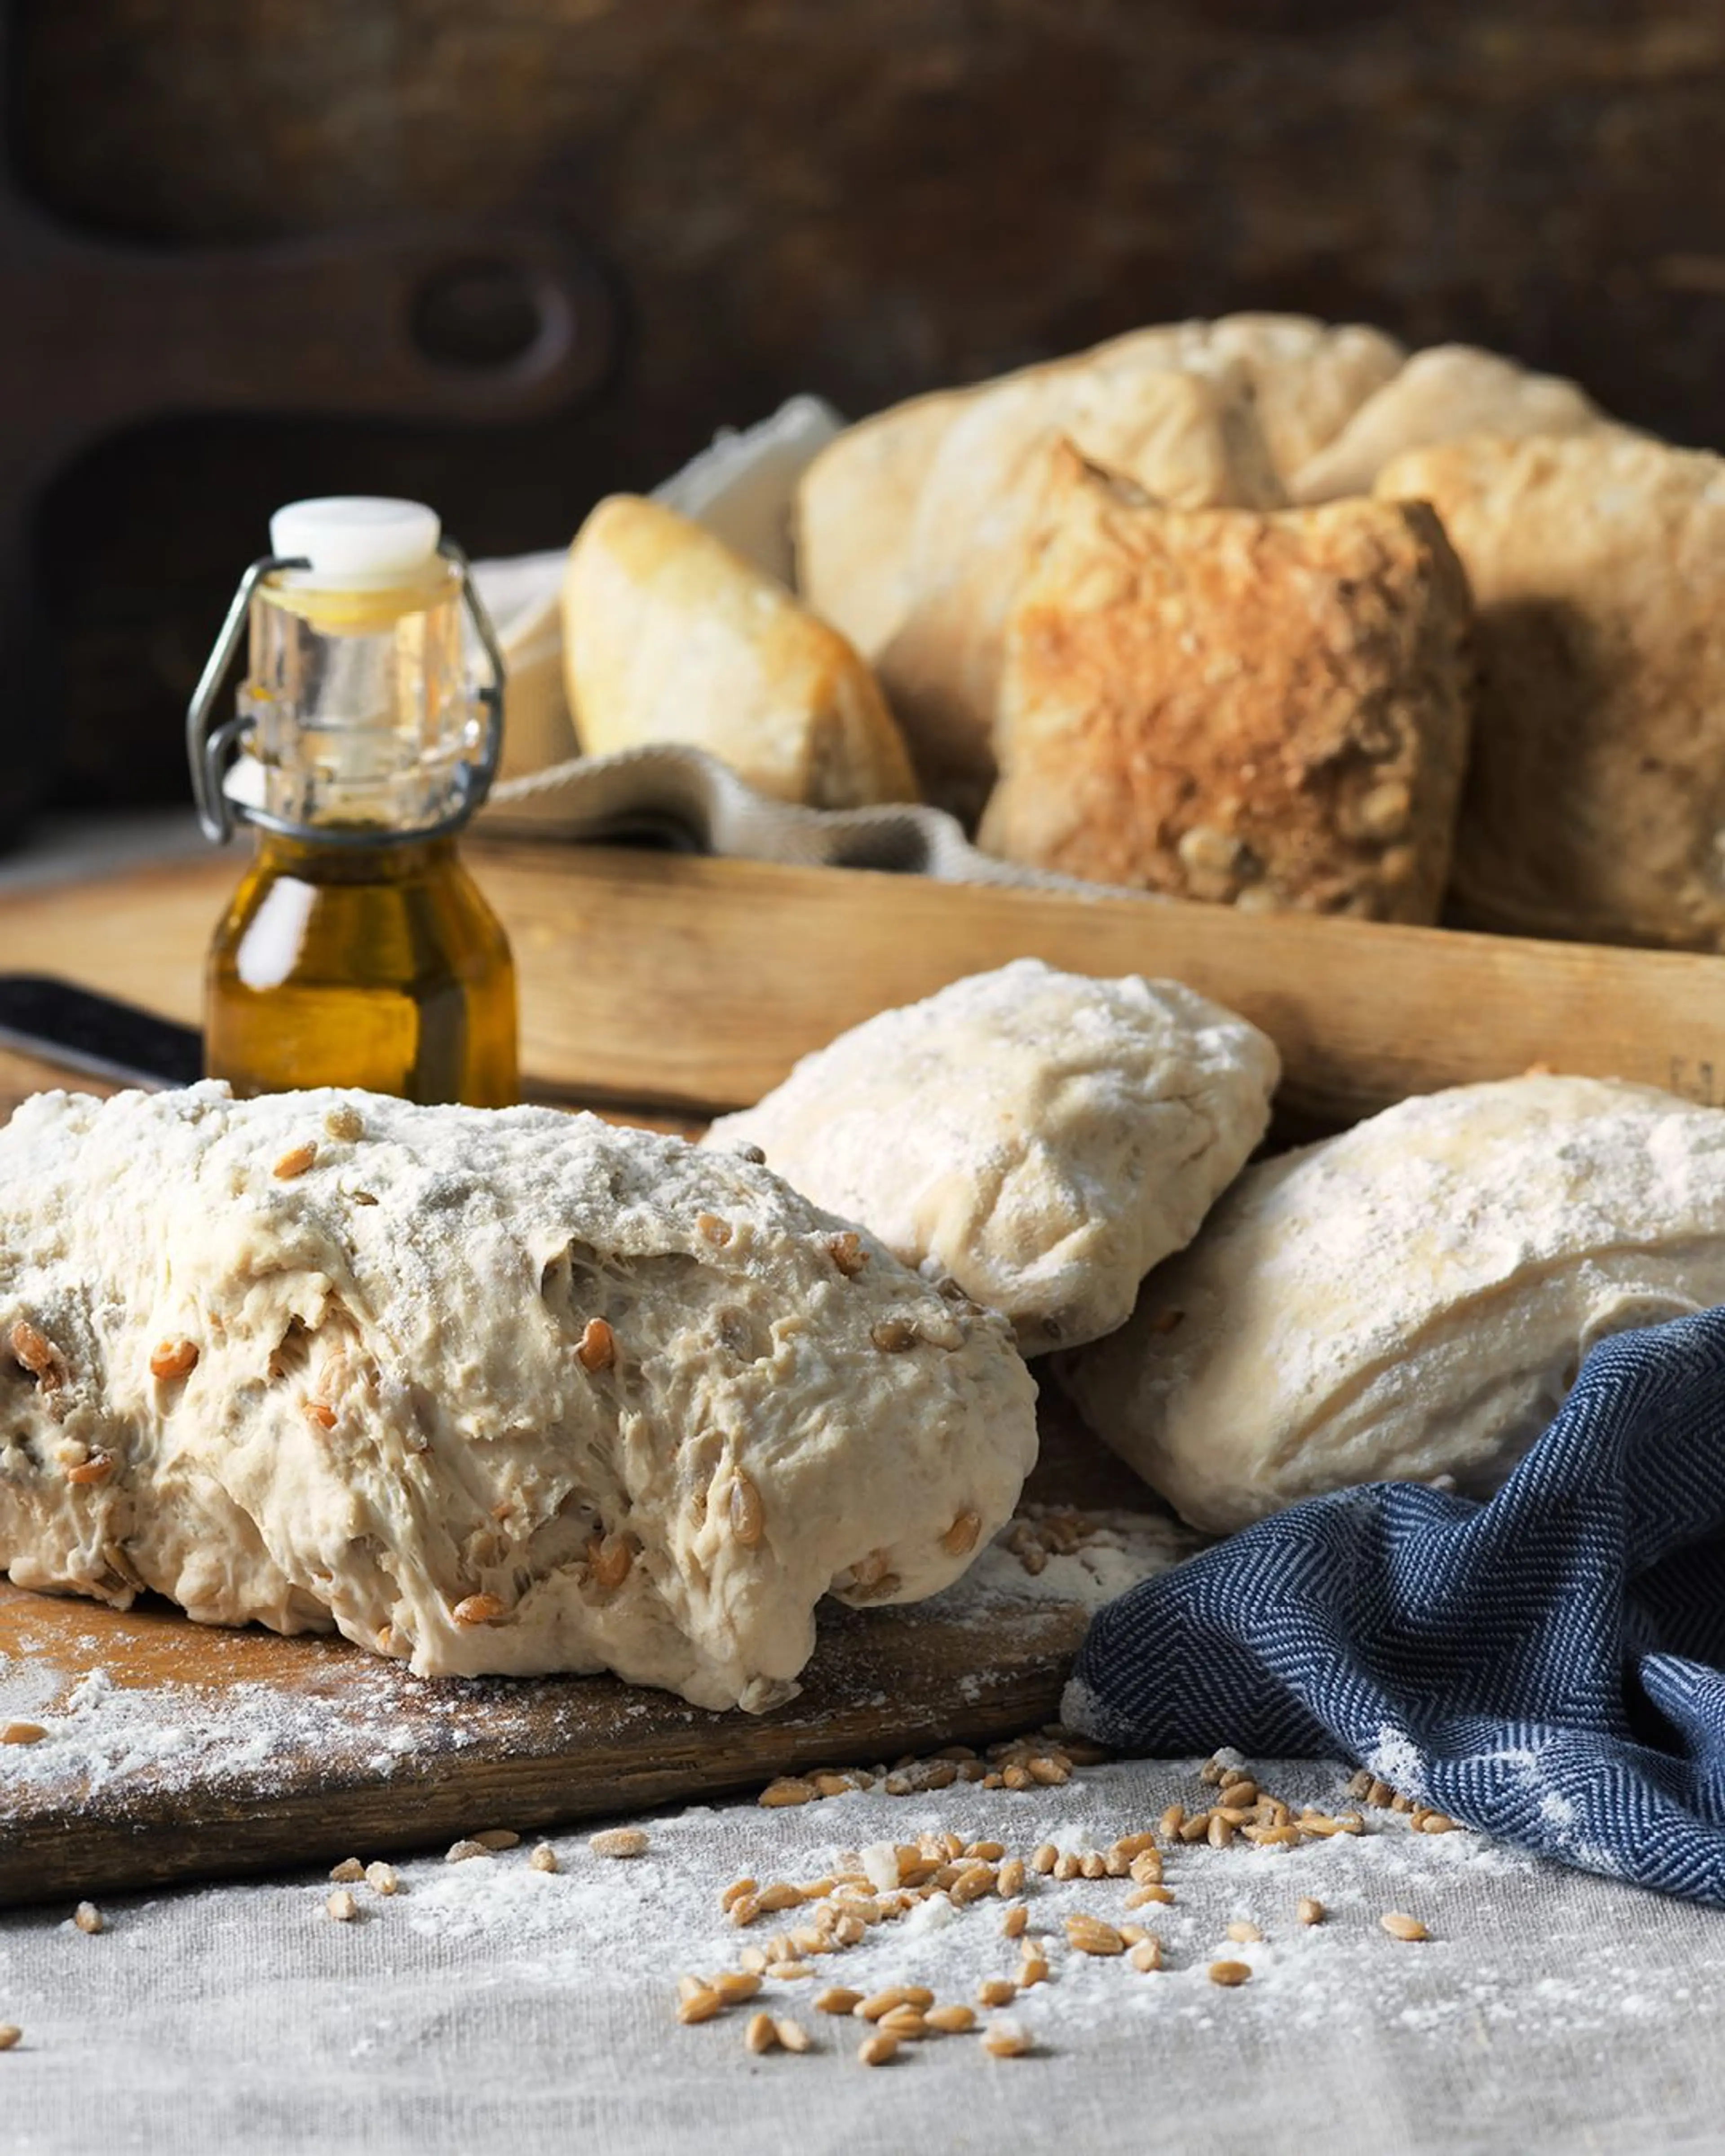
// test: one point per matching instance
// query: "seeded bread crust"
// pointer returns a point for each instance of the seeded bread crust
(486, 1391)
(1267, 710)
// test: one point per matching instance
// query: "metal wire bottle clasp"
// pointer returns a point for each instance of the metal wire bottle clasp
(212, 748)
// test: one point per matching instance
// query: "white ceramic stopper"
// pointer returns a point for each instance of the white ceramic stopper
(364, 537)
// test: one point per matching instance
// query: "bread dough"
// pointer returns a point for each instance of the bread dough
(1043, 1137)
(670, 636)
(1412, 1300)
(401, 1412)
(1268, 711)
(1595, 798)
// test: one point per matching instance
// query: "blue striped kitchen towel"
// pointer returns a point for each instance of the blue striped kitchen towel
(1548, 1667)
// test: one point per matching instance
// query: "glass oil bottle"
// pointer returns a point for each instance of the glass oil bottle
(357, 951)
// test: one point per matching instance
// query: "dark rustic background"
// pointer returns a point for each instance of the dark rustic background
(865, 199)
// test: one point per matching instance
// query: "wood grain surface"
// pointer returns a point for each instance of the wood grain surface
(694, 984)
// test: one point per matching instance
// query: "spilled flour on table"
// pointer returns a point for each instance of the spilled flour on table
(103, 1731)
(649, 1921)
(1518, 1950)
(1111, 1552)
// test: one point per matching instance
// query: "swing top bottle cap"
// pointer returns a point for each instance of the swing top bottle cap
(357, 539)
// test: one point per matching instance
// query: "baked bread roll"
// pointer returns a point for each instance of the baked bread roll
(912, 527)
(486, 1391)
(1188, 439)
(855, 509)
(1306, 379)
(670, 636)
(1269, 711)
(1043, 1137)
(856, 502)
(1444, 392)
(1410, 1301)
(1596, 798)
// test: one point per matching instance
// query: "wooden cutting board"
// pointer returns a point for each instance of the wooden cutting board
(177, 1752)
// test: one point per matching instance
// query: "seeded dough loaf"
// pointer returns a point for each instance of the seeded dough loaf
(1595, 801)
(1412, 1300)
(486, 1391)
(1268, 711)
(1043, 1138)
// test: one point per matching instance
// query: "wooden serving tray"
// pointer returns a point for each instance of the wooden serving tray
(694, 984)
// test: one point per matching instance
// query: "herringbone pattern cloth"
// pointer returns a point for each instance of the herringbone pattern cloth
(1546, 1667)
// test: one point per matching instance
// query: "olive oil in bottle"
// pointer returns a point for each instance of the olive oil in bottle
(358, 950)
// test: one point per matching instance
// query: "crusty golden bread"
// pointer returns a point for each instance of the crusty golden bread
(1444, 392)
(856, 502)
(1265, 708)
(670, 636)
(1596, 798)
(1307, 378)
(852, 518)
(1188, 437)
(855, 516)
(912, 527)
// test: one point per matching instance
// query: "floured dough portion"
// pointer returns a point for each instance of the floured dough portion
(486, 1391)
(1410, 1301)
(1043, 1137)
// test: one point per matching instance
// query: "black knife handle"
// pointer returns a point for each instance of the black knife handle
(97, 1034)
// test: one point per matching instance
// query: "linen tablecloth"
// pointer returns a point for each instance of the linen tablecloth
(489, 2006)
